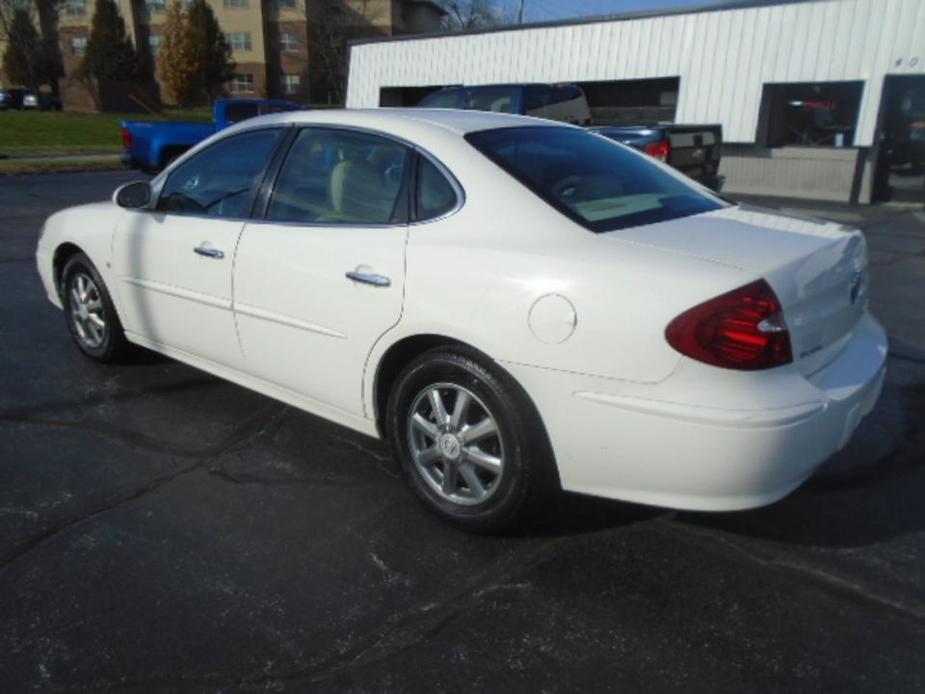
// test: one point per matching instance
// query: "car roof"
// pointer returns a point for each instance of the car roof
(455, 121)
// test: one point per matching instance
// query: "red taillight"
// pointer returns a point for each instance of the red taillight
(661, 150)
(743, 329)
(126, 138)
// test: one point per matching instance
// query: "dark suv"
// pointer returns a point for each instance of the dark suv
(561, 102)
(12, 98)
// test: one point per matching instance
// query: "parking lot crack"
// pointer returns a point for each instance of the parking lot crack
(406, 630)
(143, 441)
(820, 577)
(247, 430)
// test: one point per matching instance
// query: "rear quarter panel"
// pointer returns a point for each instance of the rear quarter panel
(475, 275)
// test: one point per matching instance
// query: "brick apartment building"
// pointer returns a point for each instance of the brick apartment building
(269, 39)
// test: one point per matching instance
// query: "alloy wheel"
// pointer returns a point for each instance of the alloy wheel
(87, 311)
(455, 444)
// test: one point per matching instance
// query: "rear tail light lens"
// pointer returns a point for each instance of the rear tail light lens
(743, 329)
(660, 150)
(126, 138)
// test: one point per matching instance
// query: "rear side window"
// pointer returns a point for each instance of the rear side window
(540, 96)
(336, 177)
(277, 108)
(434, 195)
(446, 98)
(235, 113)
(596, 182)
(499, 99)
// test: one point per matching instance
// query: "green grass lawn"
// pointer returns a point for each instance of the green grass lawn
(26, 133)
(90, 162)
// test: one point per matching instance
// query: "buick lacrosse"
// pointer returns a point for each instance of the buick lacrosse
(518, 306)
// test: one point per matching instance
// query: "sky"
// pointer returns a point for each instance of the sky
(550, 10)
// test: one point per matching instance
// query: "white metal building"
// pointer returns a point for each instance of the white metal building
(807, 91)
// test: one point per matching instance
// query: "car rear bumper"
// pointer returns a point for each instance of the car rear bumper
(680, 444)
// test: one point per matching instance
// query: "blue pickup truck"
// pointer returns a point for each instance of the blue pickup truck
(152, 145)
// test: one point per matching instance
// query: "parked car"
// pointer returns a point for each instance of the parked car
(12, 99)
(693, 150)
(515, 306)
(42, 101)
(152, 145)
(561, 102)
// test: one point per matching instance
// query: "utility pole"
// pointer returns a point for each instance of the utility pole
(520, 15)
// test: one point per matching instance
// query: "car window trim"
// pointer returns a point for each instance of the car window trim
(158, 192)
(262, 210)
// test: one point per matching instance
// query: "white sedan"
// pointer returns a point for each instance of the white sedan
(518, 305)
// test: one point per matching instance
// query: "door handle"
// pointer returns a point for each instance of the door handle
(209, 252)
(368, 278)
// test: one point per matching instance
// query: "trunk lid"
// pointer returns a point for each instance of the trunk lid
(817, 269)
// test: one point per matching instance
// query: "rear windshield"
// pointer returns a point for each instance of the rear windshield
(596, 182)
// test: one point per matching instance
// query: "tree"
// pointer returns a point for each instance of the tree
(176, 57)
(212, 54)
(23, 60)
(110, 55)
(195, 59)
(332, 23)
(463, 15)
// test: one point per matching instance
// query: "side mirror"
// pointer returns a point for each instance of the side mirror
(133, 195)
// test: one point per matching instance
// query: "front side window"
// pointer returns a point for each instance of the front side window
(156, 6)
(79, 45)
(239, 40)
(590, 179)
(242, 84)
(220, 180)
(499, 99)
(341, 177)
(154, 42)
(236, 4)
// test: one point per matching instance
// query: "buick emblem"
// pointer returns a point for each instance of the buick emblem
(855, 287)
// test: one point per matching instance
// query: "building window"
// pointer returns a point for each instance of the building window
(242, 84)
(78, 45)
(237, 4)
(288, 42)
(239, 40)
(75, 8)
(154, 43)
(285, 4)
(814, 114)
(156, 6)
(291, 84)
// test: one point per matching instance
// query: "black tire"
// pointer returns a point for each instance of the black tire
(112, 347)
(527, 468)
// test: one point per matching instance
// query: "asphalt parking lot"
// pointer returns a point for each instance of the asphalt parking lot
(163, 530)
